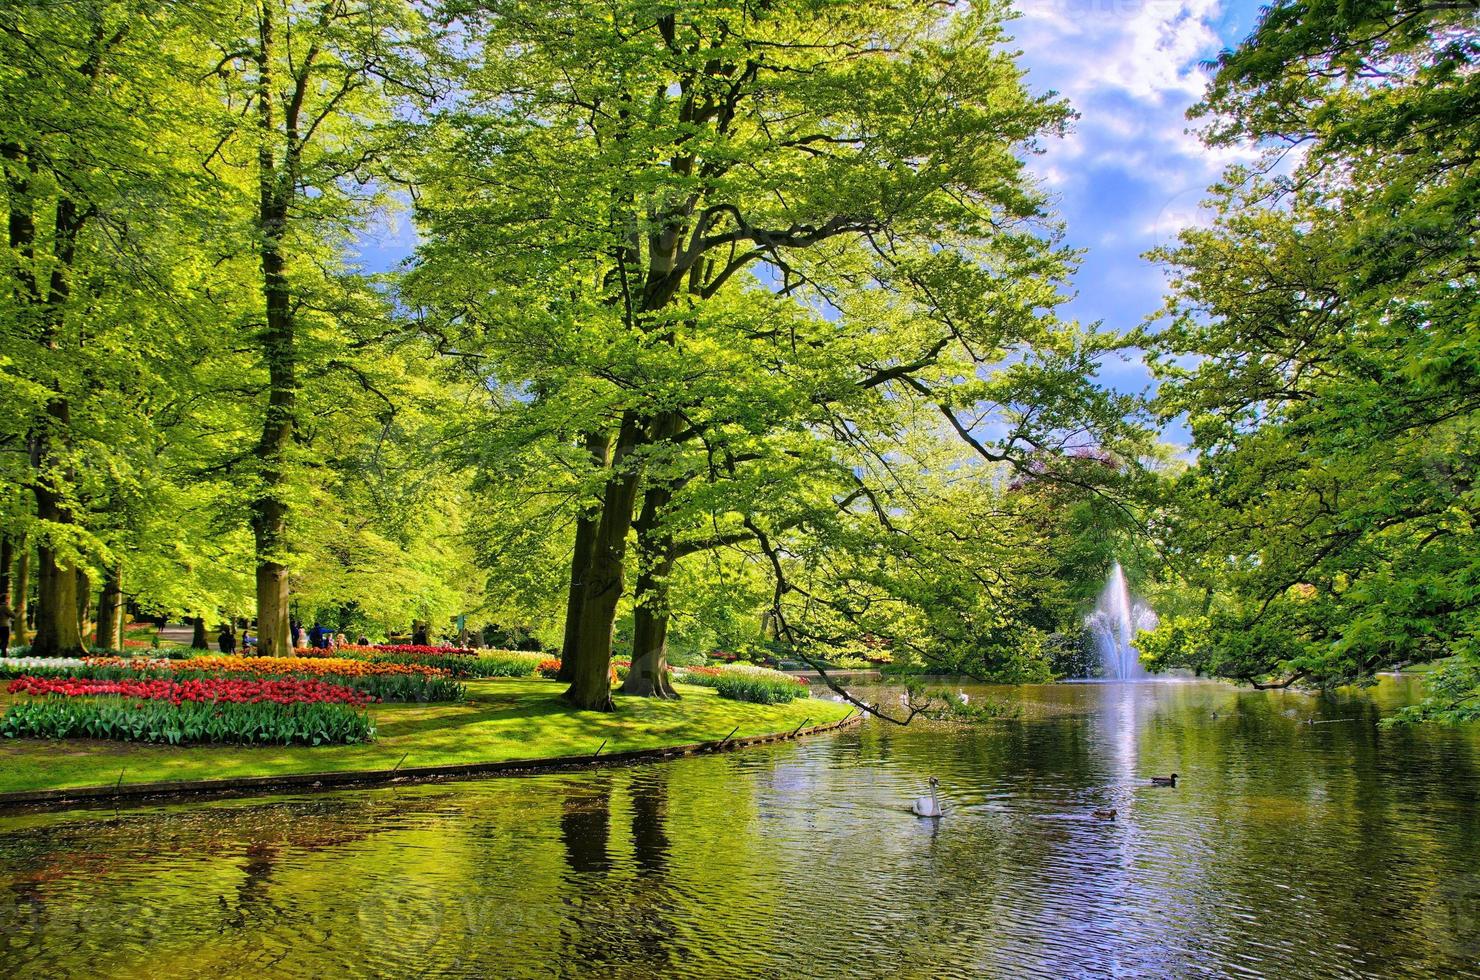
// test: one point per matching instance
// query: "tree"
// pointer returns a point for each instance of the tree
(1329, 317)
(87, 162)
(619, 207)
(313, 86)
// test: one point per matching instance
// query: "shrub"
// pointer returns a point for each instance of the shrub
(260, 723)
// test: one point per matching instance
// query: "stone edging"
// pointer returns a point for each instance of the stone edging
(243, 785)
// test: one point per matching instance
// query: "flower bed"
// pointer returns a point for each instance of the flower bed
(384, 682)
(549, 668)
(493, 664)
(746, 682)
(337, 666)
(413, 648)
(230, 722)
(286, 690)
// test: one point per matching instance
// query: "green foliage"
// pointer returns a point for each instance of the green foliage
(1321, 339)
(1452, 695)
(187, 723)
(775, 273)
(948, 706)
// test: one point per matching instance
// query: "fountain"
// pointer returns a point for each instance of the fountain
(1113, 625)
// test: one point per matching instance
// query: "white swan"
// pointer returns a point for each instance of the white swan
(928, 806)
(962, 696)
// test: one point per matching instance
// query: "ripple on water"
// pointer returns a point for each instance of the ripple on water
(1288, 850)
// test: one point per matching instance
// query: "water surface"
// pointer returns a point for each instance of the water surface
(1334, 849)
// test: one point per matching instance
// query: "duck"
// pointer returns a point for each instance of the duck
(1165, 780)
(1104, 814)
(928, 806)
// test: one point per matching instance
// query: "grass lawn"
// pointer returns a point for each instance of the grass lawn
(501, 719)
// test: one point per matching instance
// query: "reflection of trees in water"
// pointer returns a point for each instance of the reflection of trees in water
(649, 790)
(252, 890)
(211, 869)
(618, 913)
(585, 830)
(649, 942)
(585, 826)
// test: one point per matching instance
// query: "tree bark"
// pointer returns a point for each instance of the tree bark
(7, 559)
(57, 634)
(598, 445)
(110, 609)
(591, 681)
(56, 582)
(655, 557)
(84, 606)
(269, 509)
(21, 614)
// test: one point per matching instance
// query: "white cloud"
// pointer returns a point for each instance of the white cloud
(1131, 68)
(1147, 48)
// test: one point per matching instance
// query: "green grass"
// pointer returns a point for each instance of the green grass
(501, 719)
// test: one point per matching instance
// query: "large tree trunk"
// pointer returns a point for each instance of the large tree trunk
(279, 349)
(7, 559)
(655, 556)
(598, 445)
(110, 609)
(591, 681)
(21, 613)
(57, 634)
(269, 509)
(56, 581)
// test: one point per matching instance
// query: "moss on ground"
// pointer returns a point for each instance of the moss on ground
(501, 719)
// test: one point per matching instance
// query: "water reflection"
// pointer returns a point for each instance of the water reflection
(1288, 849)
(585, 825)
(650, 820)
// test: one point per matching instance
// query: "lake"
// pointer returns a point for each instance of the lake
(1302, 840)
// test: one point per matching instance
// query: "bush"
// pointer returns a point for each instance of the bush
(188, 722)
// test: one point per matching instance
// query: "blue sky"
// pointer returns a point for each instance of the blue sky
(1131, 175)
